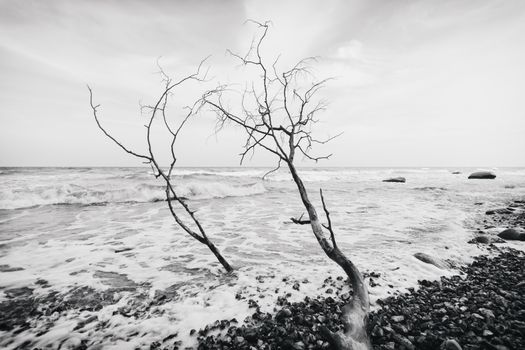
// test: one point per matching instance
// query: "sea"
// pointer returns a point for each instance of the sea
(111, 229)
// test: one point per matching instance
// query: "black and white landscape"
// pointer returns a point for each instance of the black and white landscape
(249, 175)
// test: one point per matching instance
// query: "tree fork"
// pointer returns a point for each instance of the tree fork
(281, 122)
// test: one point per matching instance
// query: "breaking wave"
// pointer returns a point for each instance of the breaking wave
(68, 194)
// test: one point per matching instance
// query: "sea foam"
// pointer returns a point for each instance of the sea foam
(380, 226)
(128, 188)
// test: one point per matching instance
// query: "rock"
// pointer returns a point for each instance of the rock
(482, 175)
(404, 342)
(377, 331)
(390, 345)
(398, 318)
(486, 239)
(478, 316)
(42, 282)
(431, 260)
(283, 314)
(251, 336)
(500, 347)
(169, 337)
(396, 179)
(239, 339)
(487, 333)
(121, 250)
(18, 292)
(511, 234)
(487, 313)
(450, 344)
(481, 239)
(298, 345)
(456, 172)
(7, 268)
(498, 211)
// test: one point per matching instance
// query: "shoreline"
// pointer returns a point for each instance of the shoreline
(482, 308)
(277, 315)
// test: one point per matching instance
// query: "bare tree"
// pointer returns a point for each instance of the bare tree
(159, 109)
(278, 113)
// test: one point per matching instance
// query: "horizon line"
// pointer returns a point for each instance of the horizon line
(267, 166)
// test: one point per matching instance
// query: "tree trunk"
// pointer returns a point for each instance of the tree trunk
(219, 257)
(355, 336)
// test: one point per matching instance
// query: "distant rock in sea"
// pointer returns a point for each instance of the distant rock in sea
(395, 179)
(482, 175)
(456, 172)
(511, 234)
(499, 211)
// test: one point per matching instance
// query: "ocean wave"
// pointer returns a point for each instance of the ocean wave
(5, 171)
(71, 194)
(203, 190)
(234, 173)
(430, 188)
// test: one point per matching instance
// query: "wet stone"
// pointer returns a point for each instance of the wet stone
(7, 268)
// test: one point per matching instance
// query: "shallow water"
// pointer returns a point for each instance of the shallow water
(68, 225)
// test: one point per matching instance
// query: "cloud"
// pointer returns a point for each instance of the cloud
(424, 71)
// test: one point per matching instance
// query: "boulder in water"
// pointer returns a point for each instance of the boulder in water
(486, 239)
(498, 211)
(456, 172)
(482, 175)
(395, 179)
(431, 260)
(512, 234)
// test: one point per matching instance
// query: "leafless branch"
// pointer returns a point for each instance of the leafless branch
(161, 106)
(95, 109)
(329, 226)
(273, 170)
(284, 112)
(300, 221)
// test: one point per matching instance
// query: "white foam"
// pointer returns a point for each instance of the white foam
(48, 190)
(380, 226)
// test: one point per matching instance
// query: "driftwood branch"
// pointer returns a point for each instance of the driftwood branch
(284, 114)
(153, 111)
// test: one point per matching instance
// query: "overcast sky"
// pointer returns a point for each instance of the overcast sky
(418, 83)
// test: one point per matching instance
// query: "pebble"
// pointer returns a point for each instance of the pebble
(482, 309)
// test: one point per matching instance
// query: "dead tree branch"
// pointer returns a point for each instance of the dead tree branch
(284, 111)
(161, 105)
(300, 221)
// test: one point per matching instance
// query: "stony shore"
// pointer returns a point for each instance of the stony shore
(483, 308)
